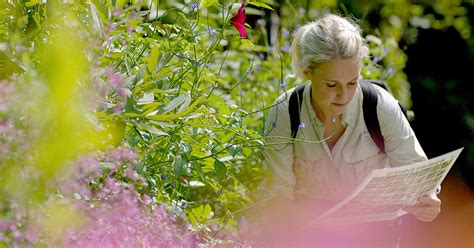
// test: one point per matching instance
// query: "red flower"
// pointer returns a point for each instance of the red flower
(238, 20)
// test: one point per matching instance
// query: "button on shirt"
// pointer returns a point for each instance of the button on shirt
(308, 169)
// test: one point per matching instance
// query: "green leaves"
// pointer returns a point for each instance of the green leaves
(95, 17)
(153, 59)
(182, 101)
(260, 4)
(199, 215)
(32, 3)
(208, 3)
(221, 170)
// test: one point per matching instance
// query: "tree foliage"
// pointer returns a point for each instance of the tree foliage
(174, 82)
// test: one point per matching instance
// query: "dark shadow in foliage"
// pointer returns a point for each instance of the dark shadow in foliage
(439, 69)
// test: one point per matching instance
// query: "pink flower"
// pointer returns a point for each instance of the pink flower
(238, 20)
(32, 235)
(115, 79)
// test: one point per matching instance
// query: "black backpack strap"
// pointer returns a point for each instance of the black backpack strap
(369, 106)
(294, 108)
(384, 86)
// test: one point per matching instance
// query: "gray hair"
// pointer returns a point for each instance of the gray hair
(325, 39)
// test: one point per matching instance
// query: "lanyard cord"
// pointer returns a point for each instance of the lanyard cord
(312, 121)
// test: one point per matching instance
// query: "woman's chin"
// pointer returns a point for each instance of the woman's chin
(338, 110)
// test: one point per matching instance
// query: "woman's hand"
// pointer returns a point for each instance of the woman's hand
(426, 209)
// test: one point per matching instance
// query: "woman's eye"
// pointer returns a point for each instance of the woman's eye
(331, 85)
(352, 83)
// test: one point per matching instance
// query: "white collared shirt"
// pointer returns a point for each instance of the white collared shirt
(309, 169)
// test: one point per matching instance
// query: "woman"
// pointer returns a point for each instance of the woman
(333, 151)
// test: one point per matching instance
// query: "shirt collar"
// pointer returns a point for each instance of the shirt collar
(349, 115)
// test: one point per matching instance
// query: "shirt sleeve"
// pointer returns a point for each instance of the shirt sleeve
(278, 151)
(401, 145)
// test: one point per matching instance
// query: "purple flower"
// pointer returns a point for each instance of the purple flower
(376, 59)
(4, 225)
(243, 227)
(271, 49)
(163, 177)
(116, 12)
(17, 235)
(248, 71)
(219, 192)
(283, 85)
(131, 173)
(302, 10)
(115, 79)
(257, 68)
(121, 222)
(31, 235)
(194, 6)
(147, 200)
(286, 34)
(123, 92)
(210, 30)
(261, 55)
(122, 154)
(301, 125)
(215, 226)
(208, 65)
(286, 47)
(112, 27)
(118, 109)
(180, 55)
(113, 186)
(390, 71)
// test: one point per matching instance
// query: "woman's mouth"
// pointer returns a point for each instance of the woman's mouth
(339, 105)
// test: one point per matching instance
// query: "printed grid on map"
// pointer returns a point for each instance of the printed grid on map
(385, 191)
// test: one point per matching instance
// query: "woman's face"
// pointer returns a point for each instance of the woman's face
(333, 86)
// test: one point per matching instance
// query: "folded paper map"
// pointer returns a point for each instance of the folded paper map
(384, 192)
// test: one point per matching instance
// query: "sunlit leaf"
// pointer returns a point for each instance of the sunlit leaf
(95, 17)
(247, 45)
(207, 3)
(32, 3)
(262, 5)
(177, 101)
(196, 184)
(165, 72)
(200, 214)
(154, 130)
(186, 102)
(146, 99)
(168, 117)
(153, 59)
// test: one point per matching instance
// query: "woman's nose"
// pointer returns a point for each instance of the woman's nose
(341, 92)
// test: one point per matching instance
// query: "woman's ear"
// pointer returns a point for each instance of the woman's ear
(306, 73)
